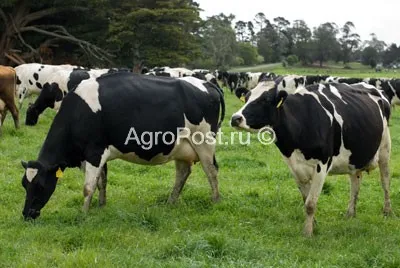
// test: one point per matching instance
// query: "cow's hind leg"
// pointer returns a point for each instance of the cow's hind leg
(207, 159)
(183, 170)
(355, 181)
(384, 159)
(317, 182)
(14, 112)
(92, 174)
(102, 185)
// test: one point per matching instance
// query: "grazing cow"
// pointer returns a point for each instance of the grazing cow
(32, 76)
(321, 129)
(96, 123)
(61, 83)
(8, 81)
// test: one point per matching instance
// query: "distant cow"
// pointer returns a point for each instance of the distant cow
(100, 119)
(321, 129)
(7, 94)
(315, 79)
(289, 83)
(391, 87)
(32, 76)
(58, 85)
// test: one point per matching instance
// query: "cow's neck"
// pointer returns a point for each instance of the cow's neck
(284, 132)
(56, 147)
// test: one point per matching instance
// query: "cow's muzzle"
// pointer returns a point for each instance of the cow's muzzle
(236, 120)
(31, 214)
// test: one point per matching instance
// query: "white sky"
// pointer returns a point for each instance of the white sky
(379, 17)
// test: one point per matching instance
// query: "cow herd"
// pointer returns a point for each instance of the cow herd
(322, 124)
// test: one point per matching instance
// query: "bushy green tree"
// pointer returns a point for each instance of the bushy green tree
(248, 53)
(369, 57)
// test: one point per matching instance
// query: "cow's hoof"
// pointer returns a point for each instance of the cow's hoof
(350, 214)
(171, 201)
(387, 212)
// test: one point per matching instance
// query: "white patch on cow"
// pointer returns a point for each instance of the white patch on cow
(336, 92)
(209, 77)
(57, 105)
(31, 173)
(88, 90)
(195, 82)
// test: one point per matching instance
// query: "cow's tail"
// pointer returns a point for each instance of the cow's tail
(222, 101)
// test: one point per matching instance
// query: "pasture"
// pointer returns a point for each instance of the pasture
(258, 222)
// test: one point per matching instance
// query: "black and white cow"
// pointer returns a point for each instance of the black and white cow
(58, 85)
(170, 72)
(103, 118)
(315, 79)
(289, 83)
(391, 87)
(321, 129)
(32, 76)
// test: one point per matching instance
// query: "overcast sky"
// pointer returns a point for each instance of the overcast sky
(379, 17)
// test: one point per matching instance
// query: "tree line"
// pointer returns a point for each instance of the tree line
(134, 33)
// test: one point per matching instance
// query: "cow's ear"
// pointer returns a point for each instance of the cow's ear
(56, 167)
(280, 98)
(24, 164)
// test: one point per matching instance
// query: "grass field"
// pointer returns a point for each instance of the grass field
(258, 223)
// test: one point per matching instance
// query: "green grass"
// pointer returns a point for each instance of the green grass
(258, 223)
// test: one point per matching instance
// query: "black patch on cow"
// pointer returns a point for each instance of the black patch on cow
(30, 82)
(36, 76)
(39, 85)
(318, 168)
(75, 78)
(284, 83)
(18, 81)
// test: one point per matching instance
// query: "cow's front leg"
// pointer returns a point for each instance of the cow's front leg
(310, 204)
(355, 180)
(102, 185)
(91, 177)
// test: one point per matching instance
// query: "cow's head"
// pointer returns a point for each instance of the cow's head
(291, 82)
(260, 110)
(241, 93)
(32, 115)
(39, 182)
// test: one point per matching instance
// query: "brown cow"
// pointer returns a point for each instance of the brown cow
(7, 94)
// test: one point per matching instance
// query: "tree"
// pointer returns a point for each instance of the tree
(349, 41)
(219, 40)
(240, 28)
(301, 38)
(261, 21)
(391, 55)
(157, 32)
(325, 43)
(369, 57)
(31, 29)
(248, 53)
